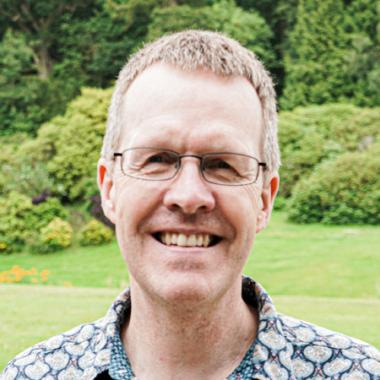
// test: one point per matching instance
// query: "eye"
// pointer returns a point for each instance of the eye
(215, 163)
(161, 158)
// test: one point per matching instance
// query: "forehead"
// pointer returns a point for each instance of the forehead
(165, 100)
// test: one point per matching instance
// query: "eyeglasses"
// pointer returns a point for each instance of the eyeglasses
(224, 168)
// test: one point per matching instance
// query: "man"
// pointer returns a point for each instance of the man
(188, 175)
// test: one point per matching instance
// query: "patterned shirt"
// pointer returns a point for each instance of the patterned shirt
(284, 348)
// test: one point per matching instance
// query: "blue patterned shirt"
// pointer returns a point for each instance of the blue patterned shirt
(285, 348)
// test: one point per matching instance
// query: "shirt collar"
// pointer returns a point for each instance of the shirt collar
(270, 348)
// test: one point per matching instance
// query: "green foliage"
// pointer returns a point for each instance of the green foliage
(95, 233)
(62, 159)
(39, 21)
(363, 23)
(14, 211)
(319, 52)
(29, 92)
(27, 177)
(76, 148)
(341, 191)
(8, 153)
(247, 27)
(315, 64)
(55, 236)
(21, 221)
(43, 213)
(333, 54)
(309, 135)
(25, 99)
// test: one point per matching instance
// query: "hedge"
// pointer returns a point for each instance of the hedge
(309, 135)
(341, 191)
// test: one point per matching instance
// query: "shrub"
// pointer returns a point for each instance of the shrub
(55, 236)
(21, 221)
(309, 135)
(14, 210)
(43, 213)
(70, 144)
(95, 233)
(341, 191)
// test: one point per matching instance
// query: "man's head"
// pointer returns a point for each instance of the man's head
(193, 93)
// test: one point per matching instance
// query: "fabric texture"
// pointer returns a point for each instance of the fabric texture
(285, 348)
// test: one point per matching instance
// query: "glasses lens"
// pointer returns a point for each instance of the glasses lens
(149, 163)
(229, 168)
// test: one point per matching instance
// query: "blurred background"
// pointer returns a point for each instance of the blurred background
(320, 257)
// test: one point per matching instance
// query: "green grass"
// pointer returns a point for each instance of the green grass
(33, 313)
(317, 260)
(287, 259)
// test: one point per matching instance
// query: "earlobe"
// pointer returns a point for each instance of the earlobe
(106, 189)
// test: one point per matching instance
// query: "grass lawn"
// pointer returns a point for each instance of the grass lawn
(33, 313)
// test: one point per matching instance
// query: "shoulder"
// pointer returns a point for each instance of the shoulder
(324, 353)
(79, 353)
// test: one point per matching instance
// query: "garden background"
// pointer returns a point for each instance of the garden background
(320, 256)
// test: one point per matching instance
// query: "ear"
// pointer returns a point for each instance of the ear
(106, 189)
(268, 196)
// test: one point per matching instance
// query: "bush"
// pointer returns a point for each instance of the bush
(55, 236)
(21, 221)
(43, 213)
(341, 191)
(70, 144)
(14, 210)
(309, 135)
(95, 233)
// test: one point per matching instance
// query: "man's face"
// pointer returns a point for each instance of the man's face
(190, 113)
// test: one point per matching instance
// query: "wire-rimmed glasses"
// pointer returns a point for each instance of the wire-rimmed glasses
(220, 168)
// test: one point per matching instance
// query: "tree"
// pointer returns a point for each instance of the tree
(362, 21)
(280, 15)
(93, 50)
(316, 62)
(38, 21)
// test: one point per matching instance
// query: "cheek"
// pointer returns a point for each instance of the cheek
(241, 209)
(136, 201)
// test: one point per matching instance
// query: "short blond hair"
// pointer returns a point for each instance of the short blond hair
(191, 50)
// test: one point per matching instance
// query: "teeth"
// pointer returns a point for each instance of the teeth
(181, 240)
(192, 240)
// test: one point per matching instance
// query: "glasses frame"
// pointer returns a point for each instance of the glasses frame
(201, 165)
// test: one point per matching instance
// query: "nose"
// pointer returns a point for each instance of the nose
(188, 191)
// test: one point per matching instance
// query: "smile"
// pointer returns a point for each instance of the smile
(183, 240)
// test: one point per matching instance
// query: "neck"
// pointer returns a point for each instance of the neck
(188, 341)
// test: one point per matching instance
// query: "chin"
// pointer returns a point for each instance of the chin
(185, 289)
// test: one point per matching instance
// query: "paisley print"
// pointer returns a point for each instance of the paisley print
(337, 366)
(285, 348)
(302, 368)
(57, 360)
(318, 354)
